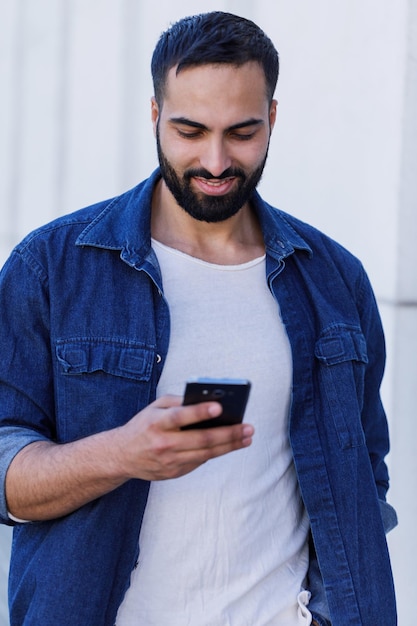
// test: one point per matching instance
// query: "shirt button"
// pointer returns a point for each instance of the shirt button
(158, 358)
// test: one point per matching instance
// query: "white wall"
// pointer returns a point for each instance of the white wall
(5, 538)
(75, 128)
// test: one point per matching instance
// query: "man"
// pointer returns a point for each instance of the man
(121, 517)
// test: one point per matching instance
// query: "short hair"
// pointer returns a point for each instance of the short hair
(212, 38)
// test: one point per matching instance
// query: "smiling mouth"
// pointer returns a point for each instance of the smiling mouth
(215, 181)
(215, 186)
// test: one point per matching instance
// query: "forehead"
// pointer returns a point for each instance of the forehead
(216, 90)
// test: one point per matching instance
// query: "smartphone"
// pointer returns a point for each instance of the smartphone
(231, 393)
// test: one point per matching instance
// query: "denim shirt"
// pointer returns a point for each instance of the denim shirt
(84, 334)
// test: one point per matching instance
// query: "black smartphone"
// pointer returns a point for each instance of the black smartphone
(231, 393)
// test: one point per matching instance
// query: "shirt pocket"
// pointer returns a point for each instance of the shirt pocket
(101, 383)
(342, 355)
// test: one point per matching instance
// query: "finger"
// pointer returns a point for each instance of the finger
(167, 401)
(212, 443)
(206, 441)
(223, 439)
(188, 460)
(182, 416)
(226, 437)
(170, 401)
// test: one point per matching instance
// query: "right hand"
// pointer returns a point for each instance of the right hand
(153, 446)
(46, 480)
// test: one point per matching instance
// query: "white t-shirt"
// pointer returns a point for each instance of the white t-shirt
(225, 545)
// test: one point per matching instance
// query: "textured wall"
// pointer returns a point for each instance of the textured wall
(75, 128)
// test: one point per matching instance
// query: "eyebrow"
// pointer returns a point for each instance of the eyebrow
(186, 122)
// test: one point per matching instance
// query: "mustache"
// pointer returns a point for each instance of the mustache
(230, 172)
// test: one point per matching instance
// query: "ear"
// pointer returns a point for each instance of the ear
(273, 114)
(154, 113)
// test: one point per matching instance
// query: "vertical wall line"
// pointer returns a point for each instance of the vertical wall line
(15, 136)
(62, 109)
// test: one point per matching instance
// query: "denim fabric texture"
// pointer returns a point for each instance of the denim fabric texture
(84, 334)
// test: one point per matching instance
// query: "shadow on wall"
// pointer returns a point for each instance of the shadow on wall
(5, 539)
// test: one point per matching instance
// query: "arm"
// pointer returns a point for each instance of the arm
(375, 428)
(374, 420)
(47, 480)
(43, 474)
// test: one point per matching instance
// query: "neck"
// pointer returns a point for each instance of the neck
(230, 242)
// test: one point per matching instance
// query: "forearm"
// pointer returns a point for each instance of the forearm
(47, 480)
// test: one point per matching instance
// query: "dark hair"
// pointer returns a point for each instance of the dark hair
(211, 38)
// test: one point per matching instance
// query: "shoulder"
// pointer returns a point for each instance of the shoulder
(297, 234)
(112, 223)
(69, 224)
(320, 242)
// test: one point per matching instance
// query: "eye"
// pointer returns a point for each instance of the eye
(189, 134)
(242, 136)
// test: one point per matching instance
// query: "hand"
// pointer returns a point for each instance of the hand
(47, 480)
(153, 446)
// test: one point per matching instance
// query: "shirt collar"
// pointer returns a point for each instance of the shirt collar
(124, 224)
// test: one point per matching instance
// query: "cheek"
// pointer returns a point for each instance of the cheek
(250, 156)
(178, 152)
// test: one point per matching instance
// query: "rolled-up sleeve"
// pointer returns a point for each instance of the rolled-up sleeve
(12, 440)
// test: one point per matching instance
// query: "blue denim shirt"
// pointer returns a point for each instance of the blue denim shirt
(84, 334)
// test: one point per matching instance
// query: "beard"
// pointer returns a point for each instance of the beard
(203, 207)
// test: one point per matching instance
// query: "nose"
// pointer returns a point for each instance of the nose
(215, 157)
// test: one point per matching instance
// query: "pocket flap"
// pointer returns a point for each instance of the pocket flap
(119, 358)
(340, 345)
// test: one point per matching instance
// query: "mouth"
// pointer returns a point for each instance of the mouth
(215, 186)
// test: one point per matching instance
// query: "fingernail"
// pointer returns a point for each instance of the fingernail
(215, 409)
(248, 430)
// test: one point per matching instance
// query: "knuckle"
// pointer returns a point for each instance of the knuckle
(208, 438)
(170, 473)
(161, 444)
(207, 455)
(177, 417)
